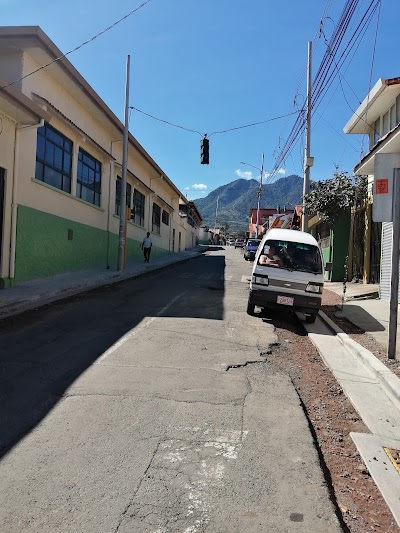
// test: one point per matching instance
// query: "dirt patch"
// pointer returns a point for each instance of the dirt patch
(332, 417)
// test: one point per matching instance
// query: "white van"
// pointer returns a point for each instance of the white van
(287, 273)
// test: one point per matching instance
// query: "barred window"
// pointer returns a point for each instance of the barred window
(165, 217)
(118, 186)
(138, 208)
(53, 158)
(89, 178)
(156, 218)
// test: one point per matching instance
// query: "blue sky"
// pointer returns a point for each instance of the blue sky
(214, 65)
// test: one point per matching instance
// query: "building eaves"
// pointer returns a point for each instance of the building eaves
(19, 99)
(61, 115)
(393, 81)
(361, 114)
(135, 178)
(166, 204)
(383, 140)
(193, 206)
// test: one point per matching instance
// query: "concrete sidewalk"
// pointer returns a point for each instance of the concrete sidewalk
(370, 385)
(33, 294)
(363, 308)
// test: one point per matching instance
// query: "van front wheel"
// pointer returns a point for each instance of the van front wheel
(310, 319)
(250, 309)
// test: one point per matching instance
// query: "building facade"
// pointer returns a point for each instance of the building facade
(378, 117)
(61, 168)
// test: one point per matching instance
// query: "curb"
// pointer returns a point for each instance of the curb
(389, 381)
(47, 297)
(366, 296)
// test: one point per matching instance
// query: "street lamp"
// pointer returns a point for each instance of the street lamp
(261, 170)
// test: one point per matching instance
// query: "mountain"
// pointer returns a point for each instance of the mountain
(235, 200)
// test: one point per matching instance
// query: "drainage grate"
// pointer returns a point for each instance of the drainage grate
(394, 456)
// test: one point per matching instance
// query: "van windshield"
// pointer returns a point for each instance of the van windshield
(291, 256)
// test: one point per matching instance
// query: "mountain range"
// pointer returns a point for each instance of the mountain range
(236, 199)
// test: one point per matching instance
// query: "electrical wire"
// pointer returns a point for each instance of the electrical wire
(254, 123)
(166, 121)
(214, 132)
(370, 74)
(324, 17)
(344, 138)
(325, 76)
(91, 39)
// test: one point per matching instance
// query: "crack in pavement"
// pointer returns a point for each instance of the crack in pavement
(130, 503)
(247, 363)
(235, 401)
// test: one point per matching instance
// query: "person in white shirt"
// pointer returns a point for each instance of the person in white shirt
(146, 247)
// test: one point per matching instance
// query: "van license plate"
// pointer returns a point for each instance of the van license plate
(285, 300)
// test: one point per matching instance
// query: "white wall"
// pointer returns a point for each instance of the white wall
(7, 144)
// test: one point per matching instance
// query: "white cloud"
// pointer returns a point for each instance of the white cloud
(247, 174)
(187, 188)
(199, 186)
(281, 171)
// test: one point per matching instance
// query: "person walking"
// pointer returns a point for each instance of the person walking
(146, 247)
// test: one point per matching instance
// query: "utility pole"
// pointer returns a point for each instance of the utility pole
(215, 222)
(259, 194)
(308, 160)
(394, 285)
(216, 215)
(122, 214)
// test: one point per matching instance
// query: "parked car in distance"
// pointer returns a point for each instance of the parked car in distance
(250, 249)
(239, 243)
(230, 242)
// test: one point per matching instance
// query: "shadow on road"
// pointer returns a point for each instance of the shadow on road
(43, 352)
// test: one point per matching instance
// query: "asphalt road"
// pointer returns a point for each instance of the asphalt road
(147, 407)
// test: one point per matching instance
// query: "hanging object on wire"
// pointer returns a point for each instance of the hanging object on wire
(204, 150)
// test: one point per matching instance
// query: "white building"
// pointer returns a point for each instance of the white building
(60, 168)
(379, 117)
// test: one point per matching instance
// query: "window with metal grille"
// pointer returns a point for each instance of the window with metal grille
(89, 178)
(53, 158)
(118, 186)
(165, 217)
(138, 208)
(156, 218)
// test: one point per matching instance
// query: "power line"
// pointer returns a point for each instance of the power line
(91, 39)
(325, 75)
(214, 132)
(254, 123)
(324, 17)
(166, 121)
(370, 72)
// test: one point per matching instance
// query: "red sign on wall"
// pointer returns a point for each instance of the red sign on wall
(382, 186)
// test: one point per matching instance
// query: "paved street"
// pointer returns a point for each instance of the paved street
(146, 407)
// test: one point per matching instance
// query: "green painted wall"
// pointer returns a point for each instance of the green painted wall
(326, 254)
(43, 248)
(340, 246)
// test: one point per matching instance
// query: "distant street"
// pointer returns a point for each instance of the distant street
(147, 407)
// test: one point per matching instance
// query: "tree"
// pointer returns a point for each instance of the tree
(331, 197)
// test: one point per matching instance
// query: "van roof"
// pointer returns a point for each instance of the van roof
(292, 235)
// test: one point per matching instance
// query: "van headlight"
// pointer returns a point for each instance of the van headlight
(260, 280)
(314, 288)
